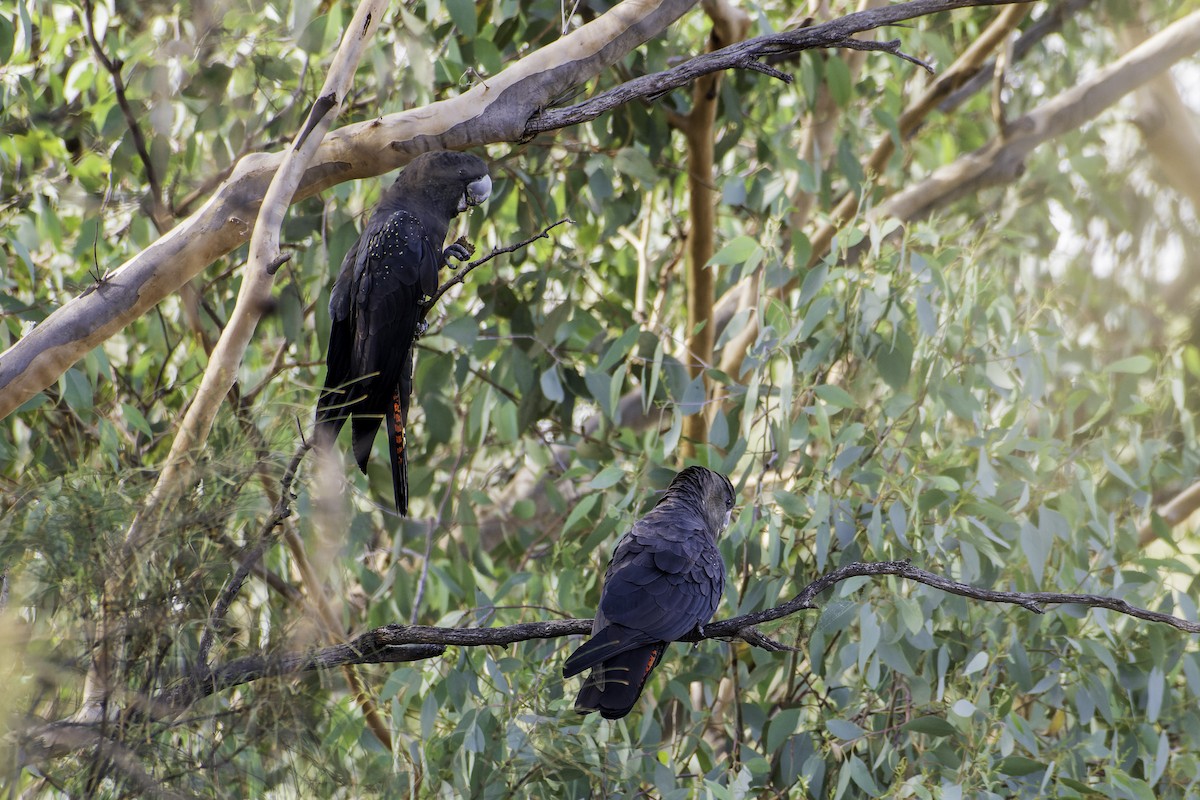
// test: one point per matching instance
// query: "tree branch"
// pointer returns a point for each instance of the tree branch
(835, 33)
(458, 277)
(1002, 160)
(402, 643)
(158, 211)
(1182, 506)
(281, 511)
(383, 644)
(488, 113)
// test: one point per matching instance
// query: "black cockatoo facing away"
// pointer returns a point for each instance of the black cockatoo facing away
(664, 582)
(377, 299)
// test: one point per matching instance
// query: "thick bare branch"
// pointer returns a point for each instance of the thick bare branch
(1182, 506)
(499, 110)
(1003, 159)
(1169, 127)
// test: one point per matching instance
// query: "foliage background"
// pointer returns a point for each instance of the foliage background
(1000, 393)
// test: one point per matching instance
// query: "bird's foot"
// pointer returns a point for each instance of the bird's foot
(461, 250)
(422, 326)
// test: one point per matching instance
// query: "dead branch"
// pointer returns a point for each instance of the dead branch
(382, 644)
(402, 643)
(835, 33)
(458, 277)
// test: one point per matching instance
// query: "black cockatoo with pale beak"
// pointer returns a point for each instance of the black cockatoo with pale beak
(376, 303)
(664, 582)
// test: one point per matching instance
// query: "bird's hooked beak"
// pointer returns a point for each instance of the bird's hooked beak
(477, 192)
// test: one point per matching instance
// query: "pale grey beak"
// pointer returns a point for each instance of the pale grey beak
(477, 192)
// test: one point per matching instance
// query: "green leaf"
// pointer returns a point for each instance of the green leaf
(791, 504)
(462, 13)
(737, 251)
(894, 360)
(552, 386)
(844, 729)
(1020, 766)
(782, 725)
(978, 662)
(633, 162)
(1134, 365)
(838, 80)
(930, 726)
(582, 509)
(76, 390)
(835, 395)
(606, 478)
(7, 37)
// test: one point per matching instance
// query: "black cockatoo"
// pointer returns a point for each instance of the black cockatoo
(664, 582)
(377, 299)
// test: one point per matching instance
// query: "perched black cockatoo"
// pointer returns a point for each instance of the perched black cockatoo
(664, 582)
(377, 300)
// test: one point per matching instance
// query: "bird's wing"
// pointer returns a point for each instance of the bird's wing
(393, 262)
(332, 405)
(665, 579)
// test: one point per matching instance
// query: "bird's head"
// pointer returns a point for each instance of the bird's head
(477, 191)
(711, 491)
(452, 182)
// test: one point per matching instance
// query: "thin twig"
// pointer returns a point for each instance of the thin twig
(462, 273)
(158, 215)
(892, 47)
(281, 511)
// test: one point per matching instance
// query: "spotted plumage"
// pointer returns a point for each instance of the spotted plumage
(375, 304)
(664, 581)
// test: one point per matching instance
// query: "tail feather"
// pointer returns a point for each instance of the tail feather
(398, 451)
(363, 428)
(613, 687)
(609, 641)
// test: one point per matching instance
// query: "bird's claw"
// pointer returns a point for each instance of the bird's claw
(422, 326)
(461, 250)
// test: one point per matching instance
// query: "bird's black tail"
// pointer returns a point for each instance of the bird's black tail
(615, 685)
(398, 451)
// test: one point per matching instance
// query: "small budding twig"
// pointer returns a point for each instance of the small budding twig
(462, 273)
(892, 47)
